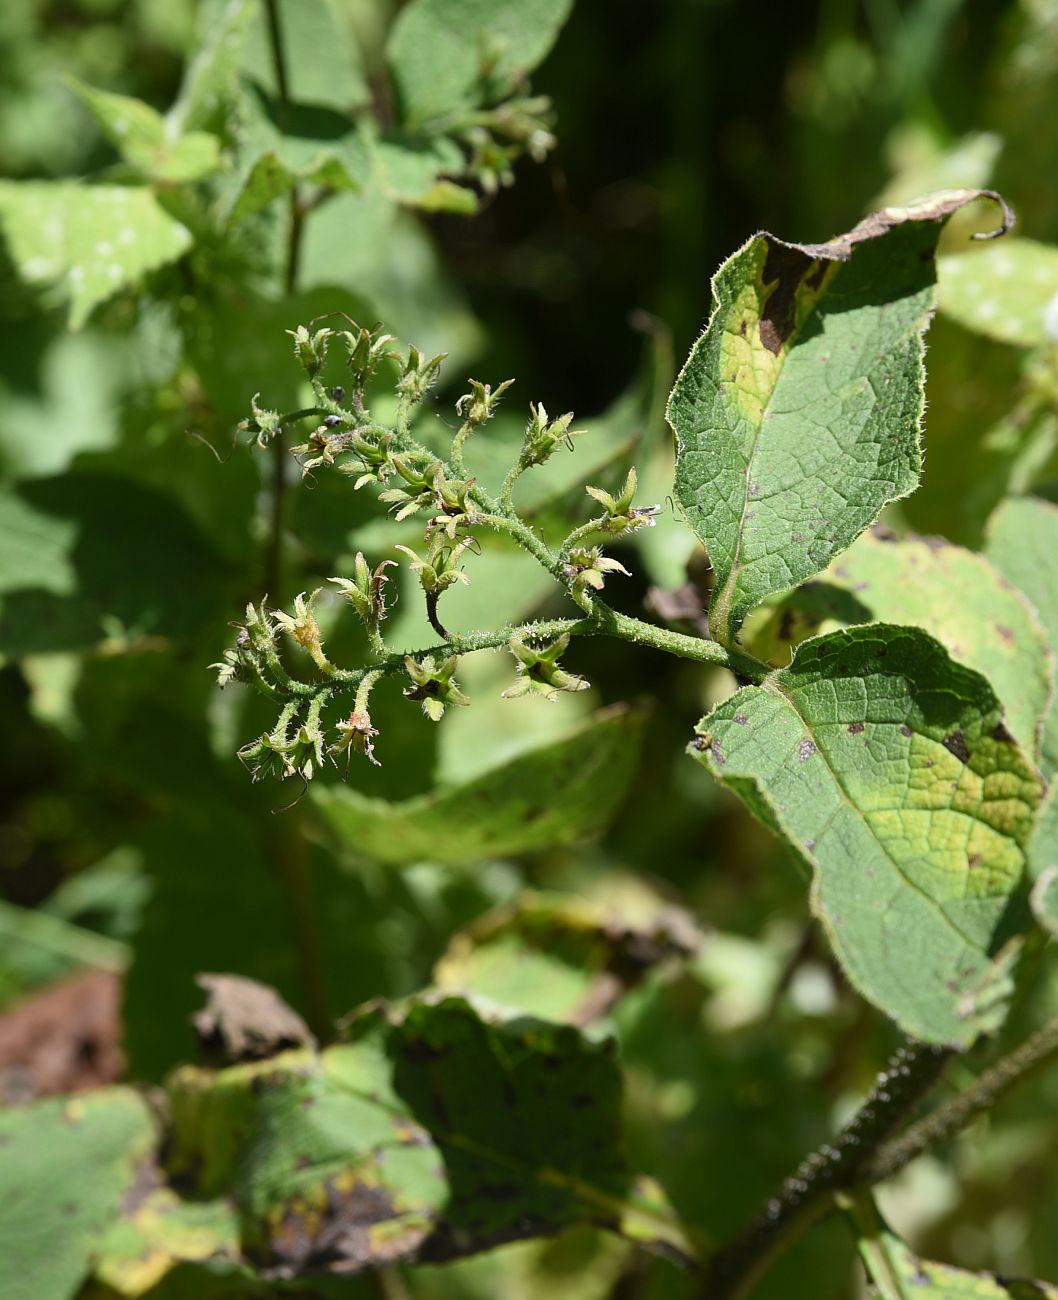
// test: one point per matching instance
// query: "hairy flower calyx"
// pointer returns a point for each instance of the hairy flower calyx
(365, 591)
(586, 566)
(621, 516)
(433, 685)
(542, 435)
(539, 671)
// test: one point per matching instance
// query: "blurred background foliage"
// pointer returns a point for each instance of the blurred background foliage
(130, 839)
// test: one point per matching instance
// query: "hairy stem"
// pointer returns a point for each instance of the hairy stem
(808, 1193)
(953, 1115)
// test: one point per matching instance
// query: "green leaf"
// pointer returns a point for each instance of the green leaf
(899, 1274)
(563, 958)
(1009, 292)
(90, 557)
(888, 767)
(282, 144)
(211, 75)
(955, 595)
(65, 1166)
(557, 794)
(439, 1130)
(322, 61)
(148, 141)
(86, 242)
(1022, 543)
(797, 413)
(1043, 863)
(447, 55)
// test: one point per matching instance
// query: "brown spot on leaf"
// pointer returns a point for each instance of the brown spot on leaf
(972, 859)
(905, 730)
(854, 728)
(741, 719)
(955, 743)
(1005, 633)
(806, 749)
(1001, 733)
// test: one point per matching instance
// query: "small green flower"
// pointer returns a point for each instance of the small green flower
(263, 424)
(367, 350)
(433, 685)
(542, 435)
(588, 567)
(441, 568)
(419, 491)
(375, 462)
(621, 516)
(311, 348)
(365, 591)
(539, 671)
(419, 374)
(282, 755)
(302, 626)
(479, 405)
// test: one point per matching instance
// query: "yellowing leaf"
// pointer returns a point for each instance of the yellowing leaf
(797, 414)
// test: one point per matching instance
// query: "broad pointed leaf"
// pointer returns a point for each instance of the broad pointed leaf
(956, 595)
(888, 767)
(1022, 543)
(561, 792)
(797, 414)
(450, 55)
(151, 143)
(86, 241)
(1009, 292)
(64, 1167)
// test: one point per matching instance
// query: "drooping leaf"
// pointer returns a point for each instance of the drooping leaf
(64, 1167)
(1009, 292)
(439, 1130)
(956, 595)
(447, 55)
(87, 557)
(565, 958)
(86, 242)
(148, 141)
(561, 792)
(1022, 543)
(889, 769)
(797, 414)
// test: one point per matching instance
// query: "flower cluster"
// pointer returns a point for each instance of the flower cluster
(415, 481)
